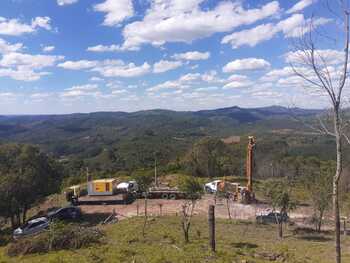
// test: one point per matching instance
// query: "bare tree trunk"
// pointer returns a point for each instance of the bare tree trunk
(337, 129)
(319, 223)
(145, 218)
(280, 230)
(228, 207)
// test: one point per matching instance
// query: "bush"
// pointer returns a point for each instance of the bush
(60, 236)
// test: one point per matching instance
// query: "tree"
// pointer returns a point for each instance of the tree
(280, 199)
(193, 190)
(144, 180)
(26, 176)
(317, 69)
(317, 181)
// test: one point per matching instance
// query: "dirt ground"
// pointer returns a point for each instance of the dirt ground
(158, 207)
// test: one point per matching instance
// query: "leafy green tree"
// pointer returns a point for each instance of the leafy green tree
(144, 179)
(280, 199)
(27, 175)
(193, 190)
(317, 181)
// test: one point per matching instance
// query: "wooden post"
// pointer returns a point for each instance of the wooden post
(160, 209)
(211, 221)
(345, 232)
(137, 209)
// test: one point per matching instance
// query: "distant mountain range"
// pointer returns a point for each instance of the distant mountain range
(88, 135)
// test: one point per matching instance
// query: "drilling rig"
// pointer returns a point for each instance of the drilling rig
(247, 192)
(244, 194)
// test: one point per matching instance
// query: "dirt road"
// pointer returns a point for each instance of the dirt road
(158, 207)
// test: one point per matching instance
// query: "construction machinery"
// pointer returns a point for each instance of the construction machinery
(244, 194)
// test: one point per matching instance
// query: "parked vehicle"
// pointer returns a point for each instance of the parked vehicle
(212, 187)
(65, 213)
(128, 187)
(32, 227)
(272, 217)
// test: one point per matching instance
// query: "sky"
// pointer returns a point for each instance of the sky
(65, 56)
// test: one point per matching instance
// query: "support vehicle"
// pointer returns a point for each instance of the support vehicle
(32, 227)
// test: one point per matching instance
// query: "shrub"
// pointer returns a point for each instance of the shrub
(59, 236)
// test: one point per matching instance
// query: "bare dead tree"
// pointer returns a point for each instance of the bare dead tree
(187, 213)
(316, 69)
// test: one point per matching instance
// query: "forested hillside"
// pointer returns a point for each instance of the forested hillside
(108, 142)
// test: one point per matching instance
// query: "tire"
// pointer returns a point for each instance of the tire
(164, 196)
(172, 196)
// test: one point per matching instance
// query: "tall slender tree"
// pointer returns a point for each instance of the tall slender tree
(321, 70)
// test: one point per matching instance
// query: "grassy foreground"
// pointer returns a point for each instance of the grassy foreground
(236, 242)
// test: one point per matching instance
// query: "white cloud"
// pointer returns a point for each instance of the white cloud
(40, 96)
(181, 83)
(81, 91)
(86, 87)
(78, 65)
(250, 37)
(6, 47)
(117, 68)
(48, 48)
(237, 77)
(246, 64)
(13, 27)
(331, 56)
(43, 22)
(237, 84)
(300, 6)
(119, 91)
(185, 21)
(22, 73)
(26, 67)
(66, 2)
(293, 26)
(275, 74)
(205, 89)
(166, 65)
(102, 48)
(116, 11)
(96, 79)
(192, 55)
(108, 68)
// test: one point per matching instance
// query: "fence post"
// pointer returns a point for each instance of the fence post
(211, 221)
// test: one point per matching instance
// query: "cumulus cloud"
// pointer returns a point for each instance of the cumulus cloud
(293, 26)
(102, 48)
(246, 64)
(108, 68)
(78, 65)
(185, 21)
(116, 11)
(48, 48)
(81, 90)
(13, 27)
(6, 47)
(192, 55)
(238, 84)
(166, 65)
(66, 2)
(300, 6)
(26, 67)
(119, 69)
(332, 56)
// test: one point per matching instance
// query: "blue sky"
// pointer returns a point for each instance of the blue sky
(64, 56)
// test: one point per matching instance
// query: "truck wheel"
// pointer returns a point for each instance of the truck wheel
(172, 196)
(165, 196)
